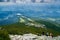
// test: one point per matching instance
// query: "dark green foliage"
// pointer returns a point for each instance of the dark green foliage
(4, 35)
(21, 28)
(51, 26)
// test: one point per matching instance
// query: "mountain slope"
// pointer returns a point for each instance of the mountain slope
(51, 25)
(22, 28)
(28, 25)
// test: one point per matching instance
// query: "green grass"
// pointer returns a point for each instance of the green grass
(4, 35)
(21, 28)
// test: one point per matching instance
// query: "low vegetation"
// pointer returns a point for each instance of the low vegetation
(21, 28)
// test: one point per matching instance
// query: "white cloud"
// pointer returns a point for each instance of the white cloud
(0, 19)
(38, 1)
(58, 11)
(52, 19)
(22, 20)
(18, 14)
(47, 0)
(7, 17)
(30, 19)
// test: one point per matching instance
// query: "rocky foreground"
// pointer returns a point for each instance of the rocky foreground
(32, 37)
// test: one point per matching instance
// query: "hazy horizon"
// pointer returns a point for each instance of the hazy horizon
(31, 1)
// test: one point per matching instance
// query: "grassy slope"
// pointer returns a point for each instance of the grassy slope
(50, 25)
(20, 28)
